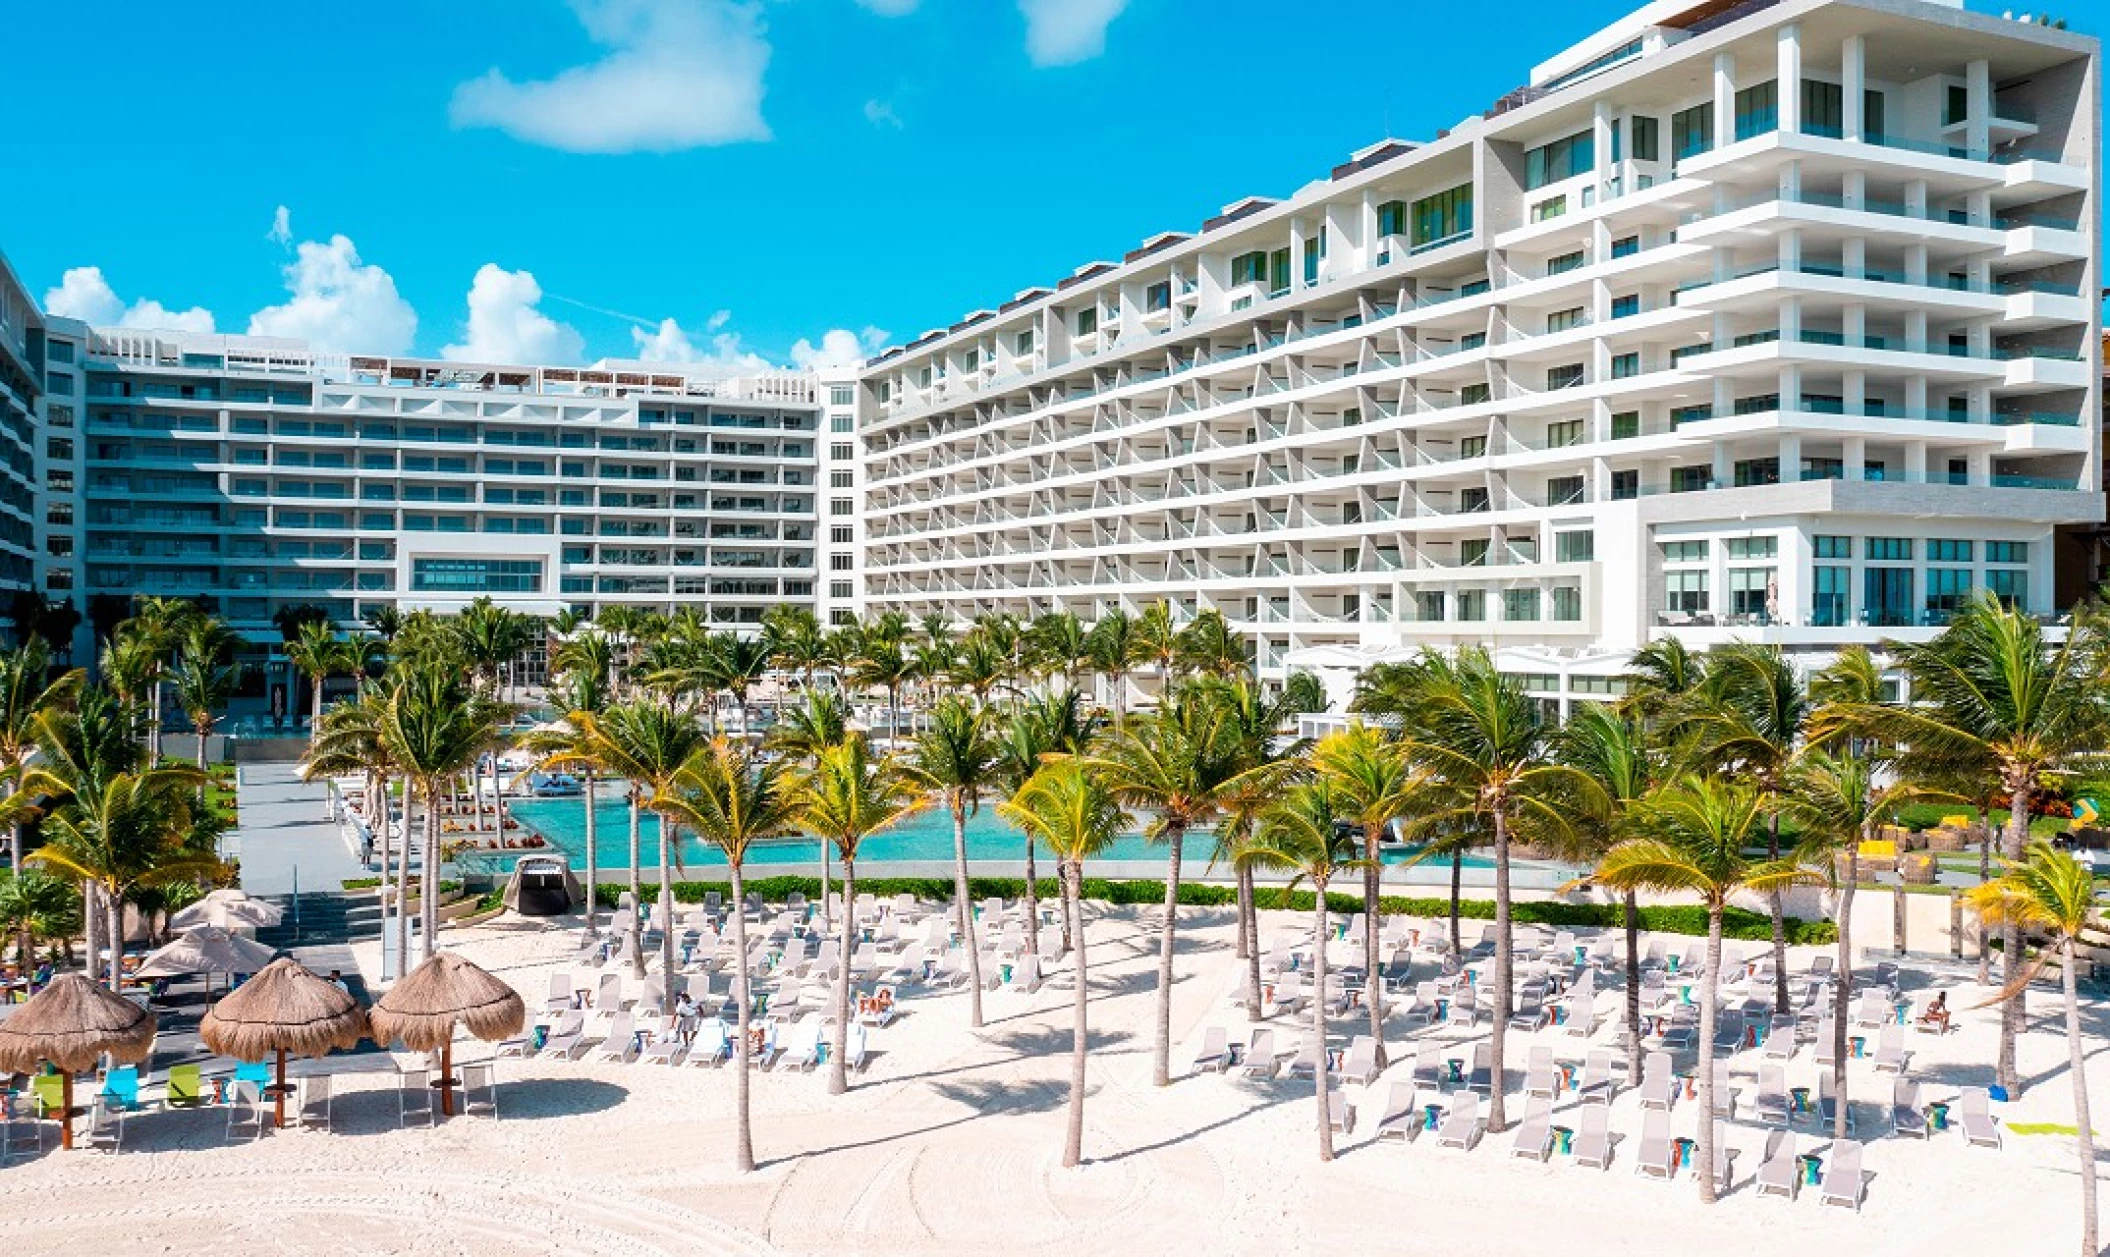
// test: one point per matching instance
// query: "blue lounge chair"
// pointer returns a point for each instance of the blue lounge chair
(121, 1088)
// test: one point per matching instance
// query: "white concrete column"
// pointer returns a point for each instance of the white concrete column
(1853, 86)
(1791, 322)
(1724, 99)
(1790, 183)
(1854, 391)
(1790, 249)
(1853, 189)
(1788, 89)
(1915, 462)
(1981, 472)
(1978, 85)
(1296, 253)
(1855, 455)
(1603, 124)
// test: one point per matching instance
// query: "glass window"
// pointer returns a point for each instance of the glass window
(1626, 485)
(1757, 110)
(1685, 593)
(1564, 158)
(1626, 424)
(2008, 585)
(1574, 547)
(1886, 595)
(1823, 109)
(1626, 307)
(2007, 552)
(1565, 262)
(1947, 588)
(509, 576)
(1392, 218)
(1626, 366)
(1644, 129)
(1626, 246)
(1684, 551)
(1565, 433)
(1520, 604)
(1567, 376)
(1567, 603)
(1832, 547)
(1444, 216)
(1757, 471)
(1872, 117)
(1088, 321)
(1429, 605)
(1945, 550)
(1159, 295)
(1472, 604)
(1551, 207)
(1956, 104)
(1830, 596)
(1888, 548)
(842, 395)
(1691, 131)
(1751, 592)
(1249, 268)
(1753, 547)
(1566, 320)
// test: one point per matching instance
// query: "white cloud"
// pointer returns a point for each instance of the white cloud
(880, 113)
(677, 74)
(839, 347)
(506, 327)
(1064, 32)
(890, 8)
(84, 294)
(281, 233)
(720, 352)
(339, 303)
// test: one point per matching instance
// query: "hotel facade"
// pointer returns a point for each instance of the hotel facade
(1771, 320)
(1764, 320)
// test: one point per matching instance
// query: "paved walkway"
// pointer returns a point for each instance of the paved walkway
(285, 831)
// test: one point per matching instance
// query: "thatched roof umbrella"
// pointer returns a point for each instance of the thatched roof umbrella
(228, 909)
(423, 1009)
(207, 949)
(70, 1023)
(284, 1008)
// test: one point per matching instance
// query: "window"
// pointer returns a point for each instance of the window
(59, 383)
(1472, 604)
(1750, 591)
(1564, 158)
(1473, 551)
(842, 506)
(1823, 109)
(1753, 547)
(1392, 218)
(842, 395)
(1626, 246)
(1888, 548)
(1832, 547)
(1474, 394)
(59, 351)
(1626, 366)
(498, 576)
(1644, 130)
(1691, 131)
(1757, 110)
(1690, 479)
(1627, 423)
(1626, 307)
(1567, 432)
(1022, 344)
(842, 479)
(1956, 104)
(1444, 216)
(1872, 117)
(842, 451)
(1088, 321)
(1575, 547)
(1472, 447)
(1157, 297)
(1886, 595)
(842, 562)
(1428, 605)
(1278, 271)
(1551, 207)
(2007, 552)
(842, 534)
(1520, 604)
(2010, 586)
(1314, 253)
(1565, 262)
(1947, 590)
(1757, 471)
(1567, 603)
(1249, 268)
(1685, 593)
(1829, 597)
(1626, 485)
(59, 447)
(1567, 376)
(1472, 501)
(1564, 490)
(1943, 550)
(1684, 551)
(1566, 320)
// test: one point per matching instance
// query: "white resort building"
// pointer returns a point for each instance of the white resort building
(1763, 320)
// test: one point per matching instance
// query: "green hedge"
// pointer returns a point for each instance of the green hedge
(1736, 924)
(447, 887)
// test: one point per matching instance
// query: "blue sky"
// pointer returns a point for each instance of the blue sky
(760, 172)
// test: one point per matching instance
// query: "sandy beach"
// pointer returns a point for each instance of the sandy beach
(949, 1143)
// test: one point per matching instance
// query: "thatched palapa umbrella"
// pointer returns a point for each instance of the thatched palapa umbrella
(284, 1008)
(423, 1009)
(70, 1023)
(207, 949)
(228, 909)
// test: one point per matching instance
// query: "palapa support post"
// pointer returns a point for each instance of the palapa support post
(281, 1089)
(447, 1079)
(66, 1109)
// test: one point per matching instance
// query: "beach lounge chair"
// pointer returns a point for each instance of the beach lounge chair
(106, 1126)
(1530, 1014)
(1828, 1103)
(1778, 1173)
(560, 993)
(1905, 1115)
(1724, 1159)
(567, 1041)
(909, 968)
(1974, 1113)
(1724, 1094)
(710, 1046)
(1598, 1084)
(787, 1003)
(666, 1045)
(1214, 1055)
(1304, 1062)
(1428, 1066)
(1772, 1104)
(1360, 1064)
(1659, 1085)
(1025, 974)
(1783, 1039)
(479, 1090)
(1464, 1008)
(1729, 1032)
(1422, 1007)
(1461, 1124)
(1842, 1183)
(1400, 1118)
(1480, 1076)
(48, 1091)
(1890, 1049)
(1683, 1031)
(1340, 1114)
(1260, 1055)
(1593, 1137)
(1535, 1137)
(121, 1088)
(805, 1050)
(1656, 1157)
(1541, 1079)
(1872, 1011)
(414, 1097)
(608, 995)
(1827, 1042)
(856, 1047)
(186, 1087)
(620, 1043)
(314, 1108)
(247, 1113)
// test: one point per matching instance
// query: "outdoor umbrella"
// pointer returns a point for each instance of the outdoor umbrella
(284, 1008)
(423, 1009)
(207, 949)
(70, 1023)
(227, 909)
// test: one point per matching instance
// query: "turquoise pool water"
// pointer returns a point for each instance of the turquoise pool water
(925, 836)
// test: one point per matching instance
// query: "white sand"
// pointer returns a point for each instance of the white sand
(950, 1144)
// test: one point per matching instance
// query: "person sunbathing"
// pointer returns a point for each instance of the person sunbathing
(1936, 1018)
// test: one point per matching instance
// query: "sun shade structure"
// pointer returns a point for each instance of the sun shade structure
(446, 991)
(71, 1023)
(227, 909)
(207, 949)
(284, 1008)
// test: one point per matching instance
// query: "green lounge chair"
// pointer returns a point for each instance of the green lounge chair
(50, 1091)
(186, 1088)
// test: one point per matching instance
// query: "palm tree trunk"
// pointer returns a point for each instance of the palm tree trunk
(1505, 976)
(116, 908)
(827, 921)
(965, 909)
(838, 1049)
(2014, 1011)
(1373, 985)
(1705, 1151)
(1985, 874)
(1780, 926)
(593, 859)
(314, 708)
(1457, 887)
(1032, 898)
(1842, 985)
(2084, 1137)
(403, 883)
(1319, 1072)
(14, 849)
(1244, 890)
(1250, 915)
(203, 730)
(668, 836)
(91, 927)
(1161, 1031)
(744, 1139)
(1072, 874)
(636, 935)
(1633, 990)
(429, 910)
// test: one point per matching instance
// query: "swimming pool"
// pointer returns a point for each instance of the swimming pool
(925, 837)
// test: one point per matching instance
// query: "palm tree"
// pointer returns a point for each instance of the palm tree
(1614, 747)
(316, 651)
(819, 720)
(163, 622)
(981, 664)
(1310, 836)
(27, 691)
(131, 666)
(1479, 735)
(1044, 725)
(796, 641)
(2050, 892)
(1113, 649)
(352, 742)
(1265, 764)
(732, 798)
(848, 797)
(584, 663)
(881, 661)
(1990, 693)
(1060, 645)
(957, 759)
(1158, 639)
(37, 907)
(1208, 644)
(205, 676)
(1066, 806)
(491, 637)
(1746, 716)
(386, 621)
(1178, 764)
(79, 749)
(435, 727)
(1695, 835)
(1370, 783)
(741, 661)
